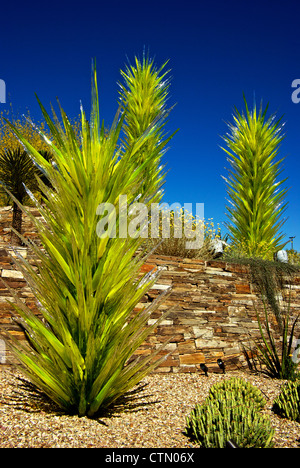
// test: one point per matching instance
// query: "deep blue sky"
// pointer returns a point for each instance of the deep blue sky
(216, 50)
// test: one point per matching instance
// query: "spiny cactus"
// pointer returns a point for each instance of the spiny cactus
(231, 412)
(287, 404)
(239, 389)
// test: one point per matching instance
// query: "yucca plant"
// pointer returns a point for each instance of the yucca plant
(276, 357)
(16, 171)
(88, 285)
(255, 194)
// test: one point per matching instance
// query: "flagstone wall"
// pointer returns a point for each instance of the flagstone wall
(211, 310)
(212, 313)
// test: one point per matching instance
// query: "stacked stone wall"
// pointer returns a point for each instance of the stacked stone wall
(211, 309)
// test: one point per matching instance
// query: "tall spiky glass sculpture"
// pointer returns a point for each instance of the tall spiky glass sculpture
(88, 285)
(256, 196)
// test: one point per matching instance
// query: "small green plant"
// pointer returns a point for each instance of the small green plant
(287, 404)
(275, 356)
(231, 412)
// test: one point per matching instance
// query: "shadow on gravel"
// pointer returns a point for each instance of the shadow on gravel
(26, 397)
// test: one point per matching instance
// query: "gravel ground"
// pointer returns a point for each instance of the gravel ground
(153, 417)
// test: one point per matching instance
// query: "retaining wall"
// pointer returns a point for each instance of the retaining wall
(212, 309)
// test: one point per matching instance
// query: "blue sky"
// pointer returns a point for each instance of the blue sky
(216, 50)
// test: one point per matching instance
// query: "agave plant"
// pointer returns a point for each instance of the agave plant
(88, 285)
(256, 196)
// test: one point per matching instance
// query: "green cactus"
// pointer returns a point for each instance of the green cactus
(231, 412)
(287, 404)
(242, 390)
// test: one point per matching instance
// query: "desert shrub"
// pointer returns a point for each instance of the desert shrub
(169, 243)
(293, 257)
(287, 404)
(231, 412)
